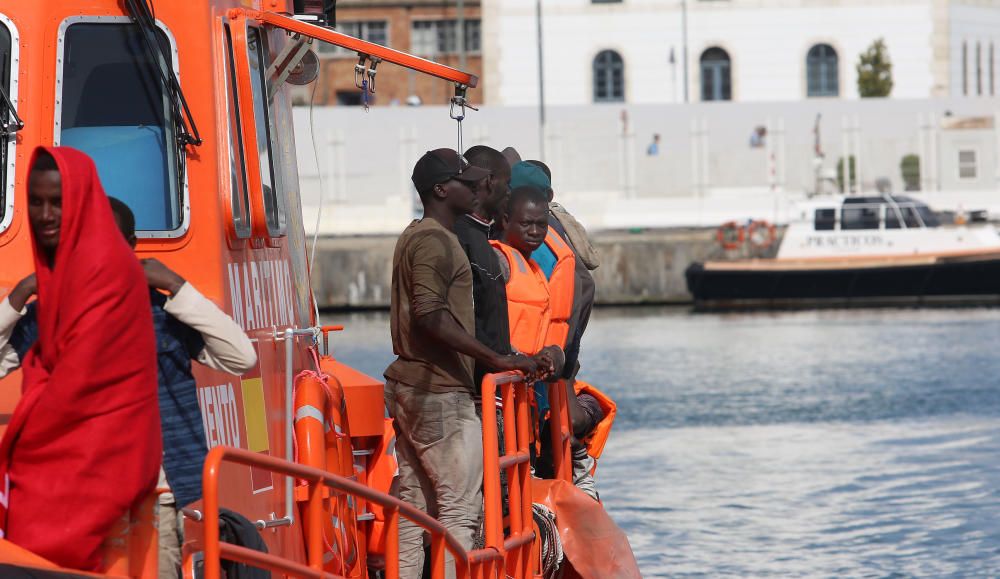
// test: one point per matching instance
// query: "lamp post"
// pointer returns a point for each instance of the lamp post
(684, 34)
(541, 84)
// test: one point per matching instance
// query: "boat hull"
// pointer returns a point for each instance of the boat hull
(967, 281)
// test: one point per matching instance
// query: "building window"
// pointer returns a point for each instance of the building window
(965, 69)
(609, 77)
(822, 76)
(128, 131)
(967, 164)
(716, 84)
(349, 98)
(979, 69)
(375, 31)
(434, 37)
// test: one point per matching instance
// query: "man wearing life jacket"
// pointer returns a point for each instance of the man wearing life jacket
(529, 301)
(188, 327)
(429, 390)
(83, 443)
(567, 272)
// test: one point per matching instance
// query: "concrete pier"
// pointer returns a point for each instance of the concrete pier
(641, 267)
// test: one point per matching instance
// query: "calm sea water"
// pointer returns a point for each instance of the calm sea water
(857, 443)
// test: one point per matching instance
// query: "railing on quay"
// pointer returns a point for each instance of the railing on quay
(478, 564)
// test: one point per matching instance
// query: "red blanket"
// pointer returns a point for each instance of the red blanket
(83, 444)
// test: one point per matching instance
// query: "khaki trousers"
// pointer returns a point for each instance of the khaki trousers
(439, 446)
(171, 530)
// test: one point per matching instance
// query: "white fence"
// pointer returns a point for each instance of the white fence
(706, 171)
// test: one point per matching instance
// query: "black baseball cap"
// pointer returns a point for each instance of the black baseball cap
(441, 165)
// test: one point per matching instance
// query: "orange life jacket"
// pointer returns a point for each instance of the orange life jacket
(596, 440)
(527, 301)
(561, 287)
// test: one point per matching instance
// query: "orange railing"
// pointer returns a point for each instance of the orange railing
(562, 435)
(515, 462)
(476, 564)
(516, 547)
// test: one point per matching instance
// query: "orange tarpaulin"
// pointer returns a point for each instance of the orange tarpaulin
(592, 542)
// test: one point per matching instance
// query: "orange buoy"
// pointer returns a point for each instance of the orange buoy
(730, 235)
(761, 234)
(323, 442)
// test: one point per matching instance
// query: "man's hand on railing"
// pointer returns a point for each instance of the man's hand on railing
(530, 367)
(553, 359)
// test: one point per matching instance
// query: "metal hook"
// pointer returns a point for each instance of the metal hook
(359, 71)
(371, 74)
(461, 102)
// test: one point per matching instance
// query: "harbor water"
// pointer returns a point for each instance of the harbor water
(841, 443)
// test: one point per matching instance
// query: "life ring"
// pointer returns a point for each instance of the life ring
(761, 234)
(323, 441)
(730, 235)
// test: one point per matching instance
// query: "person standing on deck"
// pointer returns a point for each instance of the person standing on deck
(473, 231)
(565, 231)
(429, 387)
(188, 327)
(83, 443)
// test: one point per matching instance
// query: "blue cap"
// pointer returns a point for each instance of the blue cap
(526, 174)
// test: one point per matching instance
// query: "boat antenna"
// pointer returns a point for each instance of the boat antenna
(322, 189)
(142, 13)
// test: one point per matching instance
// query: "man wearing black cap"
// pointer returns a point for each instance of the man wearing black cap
(429, 388)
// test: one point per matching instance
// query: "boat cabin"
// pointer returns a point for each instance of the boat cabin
(884, 212)
(874, 226)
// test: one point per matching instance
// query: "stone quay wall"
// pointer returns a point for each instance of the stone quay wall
(641, 267)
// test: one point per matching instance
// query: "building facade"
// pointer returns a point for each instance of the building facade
(427, 28)
(634, 51)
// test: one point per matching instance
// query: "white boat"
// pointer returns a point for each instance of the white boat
(864, 250)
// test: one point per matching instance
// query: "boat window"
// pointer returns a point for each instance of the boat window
(892, 217)
(113, 107)
(239, 197)
(6, 145)
(859, 217)
(929, 218)
(826, 219)
(266, 133)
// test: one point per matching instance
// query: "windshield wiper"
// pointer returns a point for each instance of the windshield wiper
(179, 111)
(9, 126)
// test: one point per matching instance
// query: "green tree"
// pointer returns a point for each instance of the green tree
(910, 169)
(875, 71)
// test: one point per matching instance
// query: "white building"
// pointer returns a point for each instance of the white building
(633, 51)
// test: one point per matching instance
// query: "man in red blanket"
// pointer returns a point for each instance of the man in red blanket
(83, 443)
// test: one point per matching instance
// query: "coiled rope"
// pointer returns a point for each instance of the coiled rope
(551, 550)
